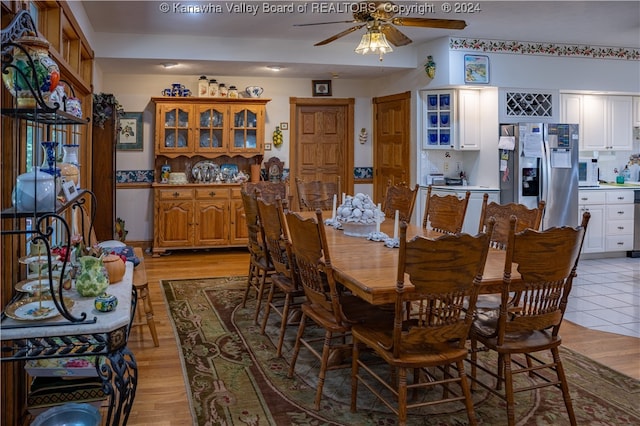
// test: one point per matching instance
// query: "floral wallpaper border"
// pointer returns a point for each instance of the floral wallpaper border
(547, 49)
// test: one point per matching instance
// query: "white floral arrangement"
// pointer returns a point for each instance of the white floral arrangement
(359, 209)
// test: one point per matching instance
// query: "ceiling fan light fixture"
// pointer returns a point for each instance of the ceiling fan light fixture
(373, 42)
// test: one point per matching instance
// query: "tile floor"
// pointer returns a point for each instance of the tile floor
(606, 295)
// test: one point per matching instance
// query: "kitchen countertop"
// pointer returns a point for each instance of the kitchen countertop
(471, 188)
(605, 186)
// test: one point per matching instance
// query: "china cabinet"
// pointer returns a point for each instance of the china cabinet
(210, 141)
(49, 319)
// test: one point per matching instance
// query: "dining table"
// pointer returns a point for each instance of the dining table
(369, 268)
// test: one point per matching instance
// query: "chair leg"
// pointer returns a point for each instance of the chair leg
(564, 385)
(267, 308)
(324, 362)
(474, 360)
(262, 279)
(354, 375)
(508, 385)
(296, 347)
(466, 390)
(402, 396)
(288, 299)
(500, 371)
(250, 277)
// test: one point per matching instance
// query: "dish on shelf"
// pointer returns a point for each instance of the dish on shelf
(229, 170)
(170, 141)
(42, 260)
(35, 308)
(36, 285)
(205, 171)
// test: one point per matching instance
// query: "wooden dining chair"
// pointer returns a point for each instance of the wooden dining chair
(445, 213)
(332, 310)
(284, 280)
(521, 332)
(445, 273)
(400, 197)
(268, 191)
(527, 218)
(317, 194)
(260, 265)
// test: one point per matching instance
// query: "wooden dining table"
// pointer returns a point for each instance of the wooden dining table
(369, 268)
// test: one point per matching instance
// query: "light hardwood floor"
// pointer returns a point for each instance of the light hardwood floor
(161, 398)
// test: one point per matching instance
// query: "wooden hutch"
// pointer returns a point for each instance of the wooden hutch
(205, 211)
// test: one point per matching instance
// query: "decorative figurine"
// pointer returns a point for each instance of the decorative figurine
(430, 67)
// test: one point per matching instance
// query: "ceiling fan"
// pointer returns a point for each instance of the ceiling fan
(380, 15)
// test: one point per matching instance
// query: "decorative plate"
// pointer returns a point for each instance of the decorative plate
(34, 309)
(35, 285)
(229, 169)
(205, 171)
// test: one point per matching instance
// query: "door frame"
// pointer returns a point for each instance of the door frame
(347, 182)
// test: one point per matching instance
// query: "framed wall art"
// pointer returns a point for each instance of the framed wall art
(476, 69)
(130, 134)
(321, 87)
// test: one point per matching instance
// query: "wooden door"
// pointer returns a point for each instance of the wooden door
(392, 135)
(103, 178)
(211, 227)
(322, 141)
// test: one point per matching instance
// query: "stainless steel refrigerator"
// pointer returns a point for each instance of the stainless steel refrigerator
(539, 161)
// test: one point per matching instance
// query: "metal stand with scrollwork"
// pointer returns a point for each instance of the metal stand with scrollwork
(73, 332)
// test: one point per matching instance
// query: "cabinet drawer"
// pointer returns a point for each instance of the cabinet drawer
(620, 227)
(619, 242)
(619, 197)
(591, 197)
(235, 192)
(175, 194)
(212, 193)
(620, 212)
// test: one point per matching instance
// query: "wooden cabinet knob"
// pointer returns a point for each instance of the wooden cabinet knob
(212, 194)
(176, 194)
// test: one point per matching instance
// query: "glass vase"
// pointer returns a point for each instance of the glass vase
(49, 161)
(70, 167)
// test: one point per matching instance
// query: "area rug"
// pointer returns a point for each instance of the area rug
(234, 377)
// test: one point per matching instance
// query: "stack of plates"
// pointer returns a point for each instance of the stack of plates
(177, 177)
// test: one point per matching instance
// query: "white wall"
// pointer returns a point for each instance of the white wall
(516, 71)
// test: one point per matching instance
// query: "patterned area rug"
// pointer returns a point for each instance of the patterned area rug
(234, 377)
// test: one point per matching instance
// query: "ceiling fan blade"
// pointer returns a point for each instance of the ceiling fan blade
(394, 35)
(337, 36)
(325, 23)
(451, 24)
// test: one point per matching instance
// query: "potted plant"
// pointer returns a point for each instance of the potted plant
(103, 106)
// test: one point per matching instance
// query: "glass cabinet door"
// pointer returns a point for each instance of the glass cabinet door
(244, 128)
(438, 120)
(210, 129)
(175, 135)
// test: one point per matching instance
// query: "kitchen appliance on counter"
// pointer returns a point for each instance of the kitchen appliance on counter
(539, 161)
(588, 173)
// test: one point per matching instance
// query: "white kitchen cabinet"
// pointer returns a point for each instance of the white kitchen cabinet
(611, 225)
(636, 111)
(619, 218)
(593, 201)
(468, 120)
(451, 119)
(606, 122)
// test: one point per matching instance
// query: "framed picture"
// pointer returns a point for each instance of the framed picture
(476, 69)
(267, 147)
(69, 189)
(321, 87)
(284, 126)
(130, 134)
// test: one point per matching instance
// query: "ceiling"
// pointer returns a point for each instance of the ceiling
(597, 23)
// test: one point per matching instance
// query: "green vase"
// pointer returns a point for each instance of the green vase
(92, 279)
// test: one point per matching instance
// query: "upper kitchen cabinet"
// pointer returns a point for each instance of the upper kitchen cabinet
(606, 122)
(636, 111)
(451, 119)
